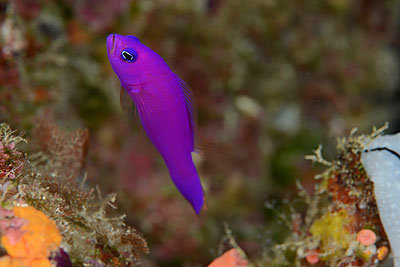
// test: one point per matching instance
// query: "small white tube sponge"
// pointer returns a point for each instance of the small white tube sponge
(381, 160)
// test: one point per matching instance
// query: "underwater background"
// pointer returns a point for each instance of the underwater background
(272, 80)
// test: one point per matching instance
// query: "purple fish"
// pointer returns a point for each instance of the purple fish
(165, 107)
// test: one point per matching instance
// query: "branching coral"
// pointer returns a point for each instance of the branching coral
(48, 182)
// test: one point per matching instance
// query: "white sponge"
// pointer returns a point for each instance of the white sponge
(381, 160)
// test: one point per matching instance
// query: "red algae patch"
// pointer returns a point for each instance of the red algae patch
(366, 237)
(312, 257)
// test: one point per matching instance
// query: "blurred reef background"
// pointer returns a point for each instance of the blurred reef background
(272, 80)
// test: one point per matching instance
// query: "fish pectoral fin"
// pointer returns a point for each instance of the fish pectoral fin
(126, 101)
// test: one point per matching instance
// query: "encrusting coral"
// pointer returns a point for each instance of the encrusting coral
(230, 258)
(47, 182)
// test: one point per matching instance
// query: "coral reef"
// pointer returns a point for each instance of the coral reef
(341, 225)
(48, 182)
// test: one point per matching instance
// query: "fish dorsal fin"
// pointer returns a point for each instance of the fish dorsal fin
(126, 101)
(190, 108)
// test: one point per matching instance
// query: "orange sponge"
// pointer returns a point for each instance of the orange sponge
(40, 237)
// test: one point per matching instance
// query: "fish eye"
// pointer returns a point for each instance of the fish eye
(129, 55)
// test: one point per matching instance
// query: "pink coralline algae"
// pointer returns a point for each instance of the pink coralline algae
(10, 225)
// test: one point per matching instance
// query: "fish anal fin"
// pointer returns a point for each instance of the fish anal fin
(126, 101)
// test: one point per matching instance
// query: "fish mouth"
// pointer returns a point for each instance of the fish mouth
(111, 44)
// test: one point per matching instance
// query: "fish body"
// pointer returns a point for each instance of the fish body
(165, 108)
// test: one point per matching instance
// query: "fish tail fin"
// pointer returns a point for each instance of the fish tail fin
(190, 187)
